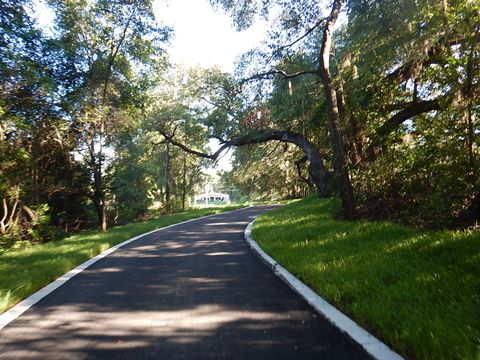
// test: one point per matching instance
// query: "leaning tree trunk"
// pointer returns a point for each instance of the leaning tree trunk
(341, 176)
(319, 174)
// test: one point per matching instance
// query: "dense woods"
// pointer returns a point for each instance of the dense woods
(390, 98)
(377, 102)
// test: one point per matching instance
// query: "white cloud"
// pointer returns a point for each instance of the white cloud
(204, 36)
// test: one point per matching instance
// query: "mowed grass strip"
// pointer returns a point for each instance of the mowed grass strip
(22, 272)
(417, 290)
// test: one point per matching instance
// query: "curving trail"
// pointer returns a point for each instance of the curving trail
(192, 291)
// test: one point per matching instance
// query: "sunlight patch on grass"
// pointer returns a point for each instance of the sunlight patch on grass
(418, 290)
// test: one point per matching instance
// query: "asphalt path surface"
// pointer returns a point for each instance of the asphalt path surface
(192, 291)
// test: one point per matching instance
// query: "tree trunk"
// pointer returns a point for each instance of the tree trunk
(99, 196)
(99, 199)
(184, 182)
(3, 227)
(317, 171)
(35, 157)
(319, 174)
(354, 138)
(342, 178)
(470, 114)
(167, 178)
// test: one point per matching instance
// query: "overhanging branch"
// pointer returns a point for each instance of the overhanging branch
(318, 172)
(283, 74)
(308, 32)
(410, 110)
(170, 139)
(409, 69)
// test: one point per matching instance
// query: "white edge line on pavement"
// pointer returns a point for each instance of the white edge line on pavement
(370, 343)
(8, 316)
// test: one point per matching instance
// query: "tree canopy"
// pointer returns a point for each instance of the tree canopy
(400, 81)
(374, 101)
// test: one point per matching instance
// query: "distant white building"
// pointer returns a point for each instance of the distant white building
(210, 196)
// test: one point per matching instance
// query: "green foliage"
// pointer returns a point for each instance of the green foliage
(384, 40)
(268, 172)
(402, 70)
(426, 180)
(138, 178)
(82, 108)
(103, 53)
(425, 171)
(417, 290)
(36, 167)
(67, 95)
(293, 104)
(129, 182)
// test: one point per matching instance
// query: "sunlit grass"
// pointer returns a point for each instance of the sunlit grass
(417, 290)
(24, 271)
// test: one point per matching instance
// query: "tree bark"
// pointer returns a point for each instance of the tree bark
(3, 227)
(14, 215)
(184, 181)
(319, 174)
(470, 115)
(167, 178)
(99, 198)
(415, 108)
(341, 175)
(354, 135)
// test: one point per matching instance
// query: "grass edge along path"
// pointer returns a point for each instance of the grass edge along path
(24, 271)
(417, 290)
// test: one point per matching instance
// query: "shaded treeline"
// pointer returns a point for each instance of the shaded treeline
(374, 101)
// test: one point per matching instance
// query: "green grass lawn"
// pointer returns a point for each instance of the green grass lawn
(24, 271)
(417, 290)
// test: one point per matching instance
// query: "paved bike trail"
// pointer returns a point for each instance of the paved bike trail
(192, 291)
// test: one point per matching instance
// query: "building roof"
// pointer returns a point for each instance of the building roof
(211, 194)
